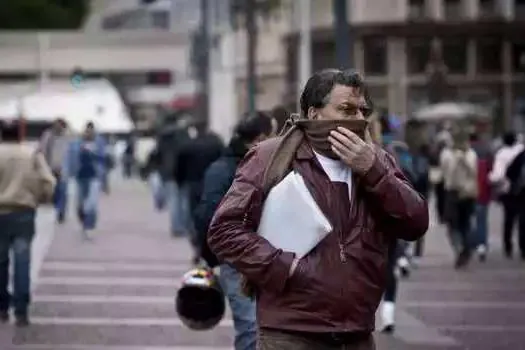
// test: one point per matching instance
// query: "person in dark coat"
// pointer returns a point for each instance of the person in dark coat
(193, 158)
(217, 180)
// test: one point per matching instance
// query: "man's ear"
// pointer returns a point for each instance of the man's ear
(312, 113)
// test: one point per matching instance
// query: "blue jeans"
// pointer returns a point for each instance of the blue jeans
(180, 216)
(17, 230)
(158, 190)
(88, 191)
(481, 228)
(60, 198)
(243, 309)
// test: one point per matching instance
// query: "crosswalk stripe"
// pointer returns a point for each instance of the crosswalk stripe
(109, 281)
(93, 321)
(111, 347)
(102, 299)
(101, 267)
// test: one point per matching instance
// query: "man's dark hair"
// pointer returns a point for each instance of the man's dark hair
(61, 121)
(252, 126)
(90, 125)
(280, 114)
(509, 138)
(317, 90)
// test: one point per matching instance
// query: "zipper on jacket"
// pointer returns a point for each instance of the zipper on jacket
(342, 253)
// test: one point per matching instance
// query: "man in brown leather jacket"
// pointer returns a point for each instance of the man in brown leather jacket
(328, 299)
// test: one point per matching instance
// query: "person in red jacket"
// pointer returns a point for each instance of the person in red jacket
(328, 298)
(482, 150)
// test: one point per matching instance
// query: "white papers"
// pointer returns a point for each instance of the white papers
(291, 219)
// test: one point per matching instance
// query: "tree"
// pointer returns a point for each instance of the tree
(250, 10)
(42, 14)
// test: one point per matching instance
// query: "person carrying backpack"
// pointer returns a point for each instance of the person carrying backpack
(462, 180)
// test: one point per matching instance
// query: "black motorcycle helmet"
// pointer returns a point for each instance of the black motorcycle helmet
(200, 301)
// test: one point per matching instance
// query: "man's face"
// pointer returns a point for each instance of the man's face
(59, 127)
(344, 102)
(89, 133)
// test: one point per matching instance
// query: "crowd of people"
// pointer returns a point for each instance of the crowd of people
(371, 186)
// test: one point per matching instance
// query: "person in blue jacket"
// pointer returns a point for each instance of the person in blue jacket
(86, 165)
(218, 179)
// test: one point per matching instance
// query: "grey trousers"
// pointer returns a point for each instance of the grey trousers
(276, 340)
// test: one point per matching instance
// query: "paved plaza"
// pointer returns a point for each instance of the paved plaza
(117, 292)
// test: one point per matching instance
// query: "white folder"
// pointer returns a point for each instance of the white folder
(291, 219)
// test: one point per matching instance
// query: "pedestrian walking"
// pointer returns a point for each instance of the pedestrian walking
(461, 179)
(328, 298)
(217, 180)
(54, 145)
(86, 164)
(502, 159)
(26, 181)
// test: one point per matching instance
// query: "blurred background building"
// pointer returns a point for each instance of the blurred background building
(145, 48)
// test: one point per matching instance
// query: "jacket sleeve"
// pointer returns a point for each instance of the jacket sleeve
(403, 211)
(232, 234)
(46, 179)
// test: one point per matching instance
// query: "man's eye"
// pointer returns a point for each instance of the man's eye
(367, 111)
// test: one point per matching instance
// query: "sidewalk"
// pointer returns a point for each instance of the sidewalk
(117, 292)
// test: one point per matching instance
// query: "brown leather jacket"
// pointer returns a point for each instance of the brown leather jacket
(338, 285)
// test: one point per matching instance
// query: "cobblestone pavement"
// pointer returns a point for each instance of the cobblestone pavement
(117, 292)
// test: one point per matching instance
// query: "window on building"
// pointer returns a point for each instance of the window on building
(518, 57)
(488, 8)
(519, 9)
(324, 56)
(376, 55)
(455, 55)
(159, 78)
(418, 50)
(160, 19)
(488, 53)
(453, 9)
(417, 10)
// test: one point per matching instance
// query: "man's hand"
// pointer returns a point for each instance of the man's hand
(353, 151)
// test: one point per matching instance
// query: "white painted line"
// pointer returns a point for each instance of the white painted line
(45, 231)
(465, 304)
(480, 328)
(100, 267)
(452, 286)
(413, 331)
(109, 281)
(102, 299)
(92, 321)
(110, 347)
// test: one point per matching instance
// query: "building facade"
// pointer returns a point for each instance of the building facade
(482, 45)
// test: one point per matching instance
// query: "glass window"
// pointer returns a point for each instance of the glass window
(375, 52)
(455, 55)
(453, 9)
(324, 56)
(417, 9)
(487, 8)
(518, 57)
(418, 50)
(519, 9)
(488, 53)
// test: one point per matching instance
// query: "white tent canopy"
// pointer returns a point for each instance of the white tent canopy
(451, 111)
(94, 100)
